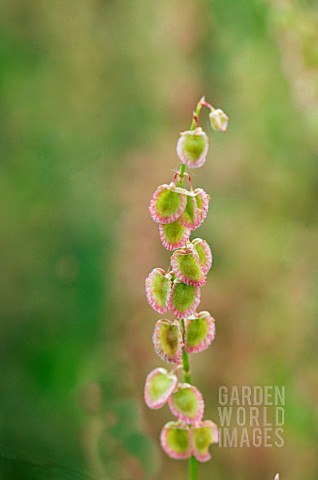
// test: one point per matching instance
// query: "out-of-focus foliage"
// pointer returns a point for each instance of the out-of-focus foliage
(93, 95)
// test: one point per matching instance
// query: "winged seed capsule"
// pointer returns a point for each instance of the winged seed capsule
(175, 440)
(187, 267)
(199, 332)
(192, 147)
(186, 403)
(168, 203)
(174, 235)
(158, 290)
(218, 120)
(202, 436)
(159, 386)
(196, 209)
(204, 252)
(184, 299)
(167, 340)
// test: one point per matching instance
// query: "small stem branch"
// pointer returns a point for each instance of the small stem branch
(208, 105)
(196, 113)
(195, 119)
(181, 174)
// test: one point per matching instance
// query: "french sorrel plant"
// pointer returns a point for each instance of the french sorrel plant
(179, 211)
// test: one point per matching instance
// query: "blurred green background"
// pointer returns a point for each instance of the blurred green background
(93, 96)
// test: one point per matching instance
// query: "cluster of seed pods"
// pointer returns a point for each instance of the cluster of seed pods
(179, 212)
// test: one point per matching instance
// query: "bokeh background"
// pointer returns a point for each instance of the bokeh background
(93, 96)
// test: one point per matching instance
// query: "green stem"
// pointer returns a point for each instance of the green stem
(193, 468)
(185, 359)
(193, 464)
(196, 114)
(181, 174)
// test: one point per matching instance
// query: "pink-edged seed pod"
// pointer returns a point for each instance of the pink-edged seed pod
(184, 299)
(167, 340)
(158, 387)
(202, 435)
(158, 290)
(175, 440)
(205, 255)
(196, 209)
(173, 235)
(187, 268)
(167, 203)
(186, 403)
(202, 199)
(188, 218)
(192, 147)
(199, 332)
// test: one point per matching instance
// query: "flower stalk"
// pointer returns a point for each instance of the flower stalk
(185, 359)
(179, 212)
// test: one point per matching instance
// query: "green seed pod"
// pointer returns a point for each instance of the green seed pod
(202, 436)
(187, 267)
(196, 209)
(204, 252)
(158, 289)
(186, 403)
(175, 440)
(159, 386)
(167, 203)
(167, 340)
(184, 299)
(199, 332)
(173, 235)
(192, 147)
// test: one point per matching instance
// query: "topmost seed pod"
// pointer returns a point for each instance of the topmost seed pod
(192, 147)
(218, 120)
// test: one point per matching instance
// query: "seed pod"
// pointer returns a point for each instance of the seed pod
(203, 200)
(199, 332)
(205, 255)
(158, 289)
(173, 235)
(167, 340)
(218, 120)
(188, 217)
(184, 299)
(196, 209)
(175, 440)
(167, 203)
(186, 403)
(159, 386)
(202, 436)
(187, 267)
(192, 147)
